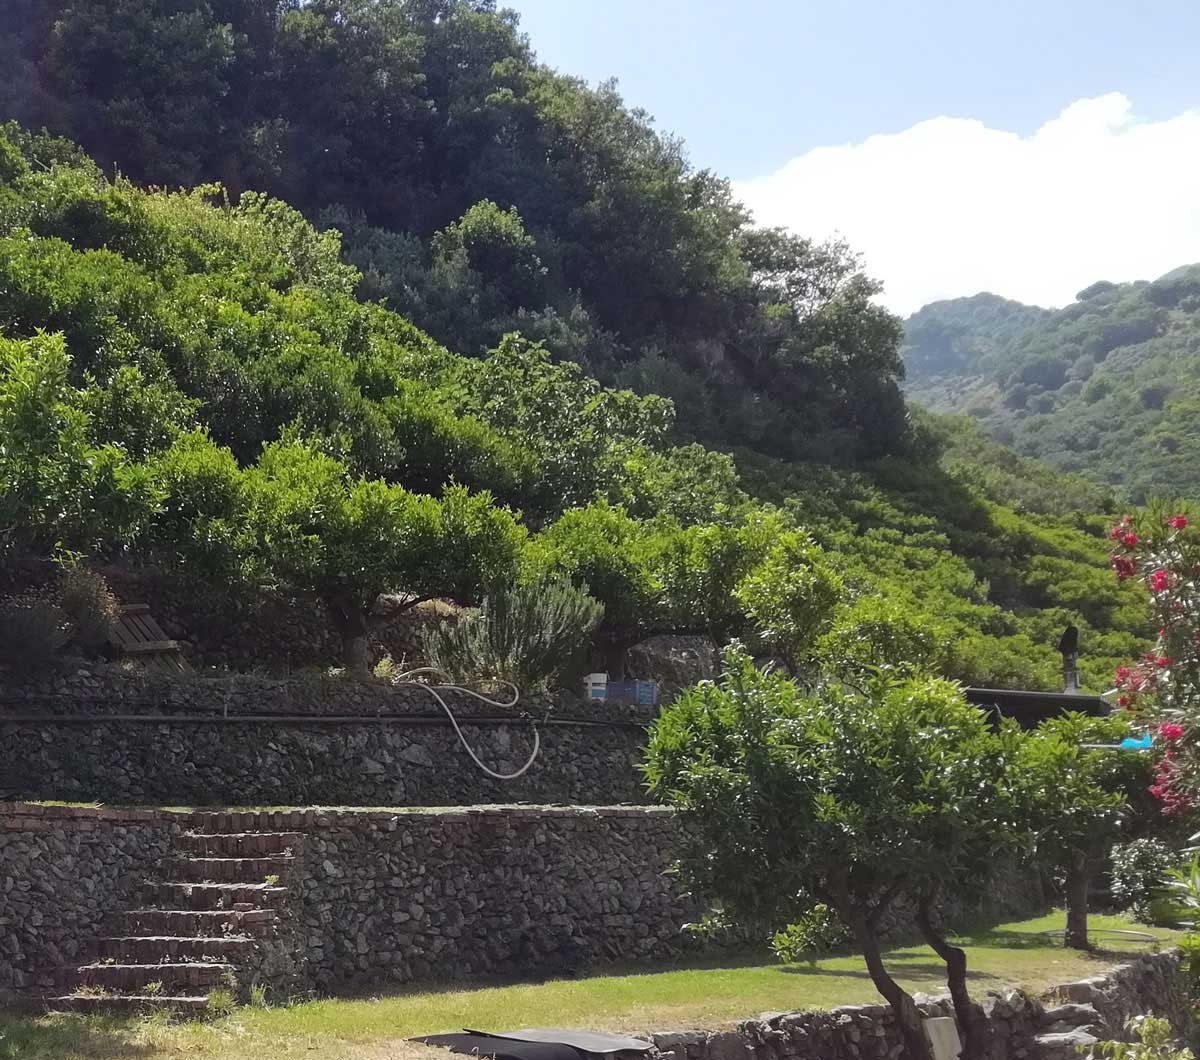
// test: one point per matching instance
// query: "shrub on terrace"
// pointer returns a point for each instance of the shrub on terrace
(526, 635)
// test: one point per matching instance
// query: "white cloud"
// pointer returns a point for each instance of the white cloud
(950, 207)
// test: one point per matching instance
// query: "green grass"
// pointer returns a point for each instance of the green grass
(706, 993)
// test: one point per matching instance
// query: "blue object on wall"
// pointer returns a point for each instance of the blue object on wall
(644, 693)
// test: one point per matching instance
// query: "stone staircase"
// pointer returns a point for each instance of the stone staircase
(213, 920)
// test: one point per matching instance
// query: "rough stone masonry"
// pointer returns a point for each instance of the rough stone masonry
(113, 735)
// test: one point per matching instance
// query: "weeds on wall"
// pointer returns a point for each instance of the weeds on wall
(79, 613)
(33, 634)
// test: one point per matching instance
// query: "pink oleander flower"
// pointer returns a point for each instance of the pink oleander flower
(1171, 732)
(1160, 580)
(1122, 674)
(1177, 522)
(1124, 568)
(1162, 662)
(1129, 540)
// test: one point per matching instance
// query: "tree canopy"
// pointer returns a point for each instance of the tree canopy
(158, 346)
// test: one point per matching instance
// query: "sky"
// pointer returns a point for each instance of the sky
(1027, 147)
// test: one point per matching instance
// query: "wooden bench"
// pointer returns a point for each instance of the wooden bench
(139, 637)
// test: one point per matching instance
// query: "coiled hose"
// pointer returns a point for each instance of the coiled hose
(436, 690)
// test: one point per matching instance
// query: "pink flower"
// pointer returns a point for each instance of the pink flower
(1124, 702)
(1177, 522)
(1160, 580)
(1123, 567)
(1162, 662)
(1122, 674)
(1171, 732)
(1129, 540)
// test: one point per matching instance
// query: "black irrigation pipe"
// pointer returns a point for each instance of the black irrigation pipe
(308, 719)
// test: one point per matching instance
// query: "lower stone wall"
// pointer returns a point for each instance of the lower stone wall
(1074, 1017)
(489, 891)
(62, 871)
(375, 896)
(371, 897)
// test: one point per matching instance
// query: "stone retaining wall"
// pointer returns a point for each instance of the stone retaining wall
(113, 735)
(377, 896)
(373, 896)
(62, 869)
(1022, 1027)
(487, 891)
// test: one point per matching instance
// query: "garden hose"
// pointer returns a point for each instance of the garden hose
(435, 690)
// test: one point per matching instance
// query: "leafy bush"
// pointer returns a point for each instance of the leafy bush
(1155, 1040)
(526, 635)
(816, 932)
(1139, 872)
(87, 601)
(32, 634)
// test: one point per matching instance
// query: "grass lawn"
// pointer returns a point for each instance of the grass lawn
(657, 998)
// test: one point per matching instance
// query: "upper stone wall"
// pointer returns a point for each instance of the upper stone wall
(114, 735)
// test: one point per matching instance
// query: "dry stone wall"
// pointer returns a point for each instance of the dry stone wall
(371, 897)
(1075, 1016)
(114, 735)
(62, 870)
(486, 891)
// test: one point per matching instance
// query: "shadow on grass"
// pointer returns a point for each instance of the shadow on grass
(1008, 940)
(900, 967)
(27, 1036)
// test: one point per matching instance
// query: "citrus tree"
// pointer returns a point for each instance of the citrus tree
(346, 540)
(846, 797)
(1075, 790)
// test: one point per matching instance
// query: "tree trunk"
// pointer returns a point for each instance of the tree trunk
(916, 1045)
(976, 1033)
(1078, 878)
(615, 653)
(351, 623)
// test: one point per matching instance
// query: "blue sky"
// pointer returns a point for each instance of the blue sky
(756, 87)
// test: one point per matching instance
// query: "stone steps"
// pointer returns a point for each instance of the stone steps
(176, 895)
(162, 949)
(241, 821)
(201, 919)
(179, 923)
(184, 978)
(226, 870)
(238, 844)
(129, 1004)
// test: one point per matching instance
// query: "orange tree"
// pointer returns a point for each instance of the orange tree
(851, 797)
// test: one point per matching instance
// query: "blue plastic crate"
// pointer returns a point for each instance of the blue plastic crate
(644, 693)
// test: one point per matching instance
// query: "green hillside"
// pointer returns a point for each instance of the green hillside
(478, 192)
(327, 396)
(1108, 386)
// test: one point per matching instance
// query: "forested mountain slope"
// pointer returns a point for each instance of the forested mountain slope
(478, 192)
(204, 378)
(189, 383)
(1108, 386)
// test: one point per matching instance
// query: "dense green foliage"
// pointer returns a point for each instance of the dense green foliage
(1077, 795)
(157, 342)
(1108, 386)
(479, 192)
(847, 796)
(527, 635)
